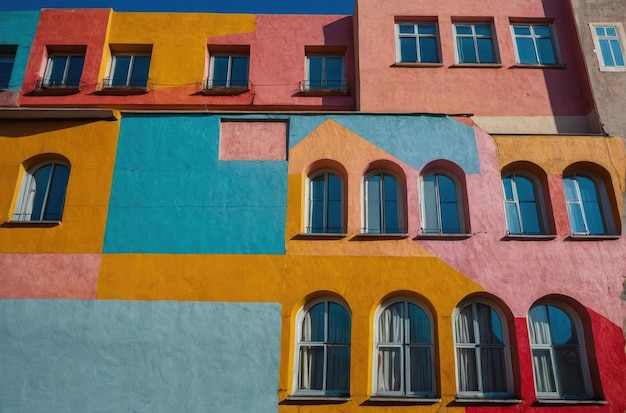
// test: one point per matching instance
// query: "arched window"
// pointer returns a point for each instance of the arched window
(383, 204)
(522, 205)
(325, 213)
(42, 195)
(482, 352)
(323, 349)
(404, 354)
(441, 205)
(558, 355)
(587, 205)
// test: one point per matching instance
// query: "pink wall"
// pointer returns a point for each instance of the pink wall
(483, 91)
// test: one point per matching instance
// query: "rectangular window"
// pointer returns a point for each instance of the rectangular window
(325, 72)
(63, 70)
(417, 43)
(474, 43)
(129, 70)
(608, 39)
(228, 71)
(534, 44)
(7, 60)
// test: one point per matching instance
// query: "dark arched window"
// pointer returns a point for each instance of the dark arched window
(42, 194)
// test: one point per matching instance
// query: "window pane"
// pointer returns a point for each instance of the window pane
(483, 29)
(522, 30)
(526, 51)
(423, 28)
(334, 72)
(465, 326)
(419, 325)
(539, 325)
(605, 50)
(311, 368)
(447, 189)
(389, 369)
(570, 371)
(576, 220)
(544, 374)
(373, 204)
(600, 31)
(6, 67)
(610, 31)
(41, 180)
(334, 224)
(512, 219)
(561, 327)
(591, 205)
(391, 324)
(467, 54)
(57, 70)
(338, 324)
(507, 185)
(429, 202)
(56, 193)
(75, 70)
(239, 75)
(421, 370)
(141, 66)
(485, 51)
(316, 67)
(569, 185)
(334, 187)
(530, 217)
(546, 51)
(406, 28)
(220, 71)
(617, 52)
(468, 374)
(463, 29)
(450, 218)
(408, 49)
(313, 324)
(489, 325)
(493, 369)
(121, 66)
(338, 371)
(542, 31)
(428, 50)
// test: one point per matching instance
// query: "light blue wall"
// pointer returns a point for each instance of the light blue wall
(138, 356)
(18, 28)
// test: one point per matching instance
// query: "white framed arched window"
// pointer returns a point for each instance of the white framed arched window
(382, 204)
(323, 349)
(404, 354)
(325, 203)
(442, 206)
(482, 353)
(558, 352)
(523, 204)
(42, 193)
(587, 205)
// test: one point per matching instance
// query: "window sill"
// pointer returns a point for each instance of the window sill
(529, 237)
(402, 400)
(224, 91)
(416, 64)
(527, 66)
(562, 402)
(54, 91)
(303, 399)
(477, 65)
(45, 224)
(486, 401)
(368, 235)
(321, 235)
(591, 237)
(323, 92)
(439, 236)
(122, 91)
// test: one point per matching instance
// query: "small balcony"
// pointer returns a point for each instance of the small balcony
(224, 87)
(324, 88)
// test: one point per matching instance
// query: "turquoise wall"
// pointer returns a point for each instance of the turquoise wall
(138, 356)
(18, 28)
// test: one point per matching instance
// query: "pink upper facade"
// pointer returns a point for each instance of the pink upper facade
(505, 88)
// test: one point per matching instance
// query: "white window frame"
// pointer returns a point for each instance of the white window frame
(576, 321)
(533, 36)
(621, 37)
(539, 201)
(308, 210)
(460, 205)
(417, 36)
(477, 346)
(129, 73)
(404, 351)
(603, 199)
(49, 66)
(400, 207)
(25, 200)
(209, 82)
(298, 330)
(474, 37)
(306, 86)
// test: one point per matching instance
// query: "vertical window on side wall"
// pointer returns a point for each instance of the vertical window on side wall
(441, 205)
(383, 205)
(558, 356)
(474, 43)
(325, 204)
(42, 194)
(482, 352)
(229, 70)
(323, 349)
(417, 42)
(609, 43)
(7, 60)
(587, 205)
(404, 353)
(534, 44)
(522, 205)
(129, 70)
(325, 72)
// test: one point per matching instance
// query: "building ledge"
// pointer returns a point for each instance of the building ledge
(486, 401)
(443, 237)
(43, 224)
(416, 64)
(529, 237)
(591, 237)
(528, 66)
(314, 400)
(365, 236)
(477, 65)
(570, 402)
(59, 113)
(321, 235)
(402, 400)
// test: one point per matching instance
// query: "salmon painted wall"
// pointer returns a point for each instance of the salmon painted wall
(506, 91)
(180, 44)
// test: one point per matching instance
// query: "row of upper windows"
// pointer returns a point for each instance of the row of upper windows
(475, 43)
(443, 199)
(404, 351)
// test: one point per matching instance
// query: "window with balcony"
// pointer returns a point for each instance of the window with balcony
(63, 71)
(128, 70)
(325, 73)
(228, 71)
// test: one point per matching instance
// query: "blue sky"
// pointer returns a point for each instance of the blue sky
(219, 6)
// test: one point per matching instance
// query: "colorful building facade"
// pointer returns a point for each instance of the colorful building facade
(266, 213)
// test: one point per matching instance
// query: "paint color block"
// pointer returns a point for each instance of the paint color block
(260, 141)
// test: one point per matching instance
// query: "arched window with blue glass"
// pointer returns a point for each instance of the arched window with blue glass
(587, 205)
(383, 204)
(442, 206)
(42, 193)
(325, 204)
(323, 349)
(523, 204)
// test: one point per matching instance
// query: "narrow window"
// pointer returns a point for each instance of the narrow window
(524, 215)
(482, 354)
(404, 351)
(474, 43)
(534, 44)
(417, 43)
(441, 206)
(323, 349)
(129, 70)
(383, 206)
(42, 195)
(586, 205)
(325, 204)
(63, 71)
(7, 60)
(228, 70)
(559, 364)
(325, 72)
(609, 43)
